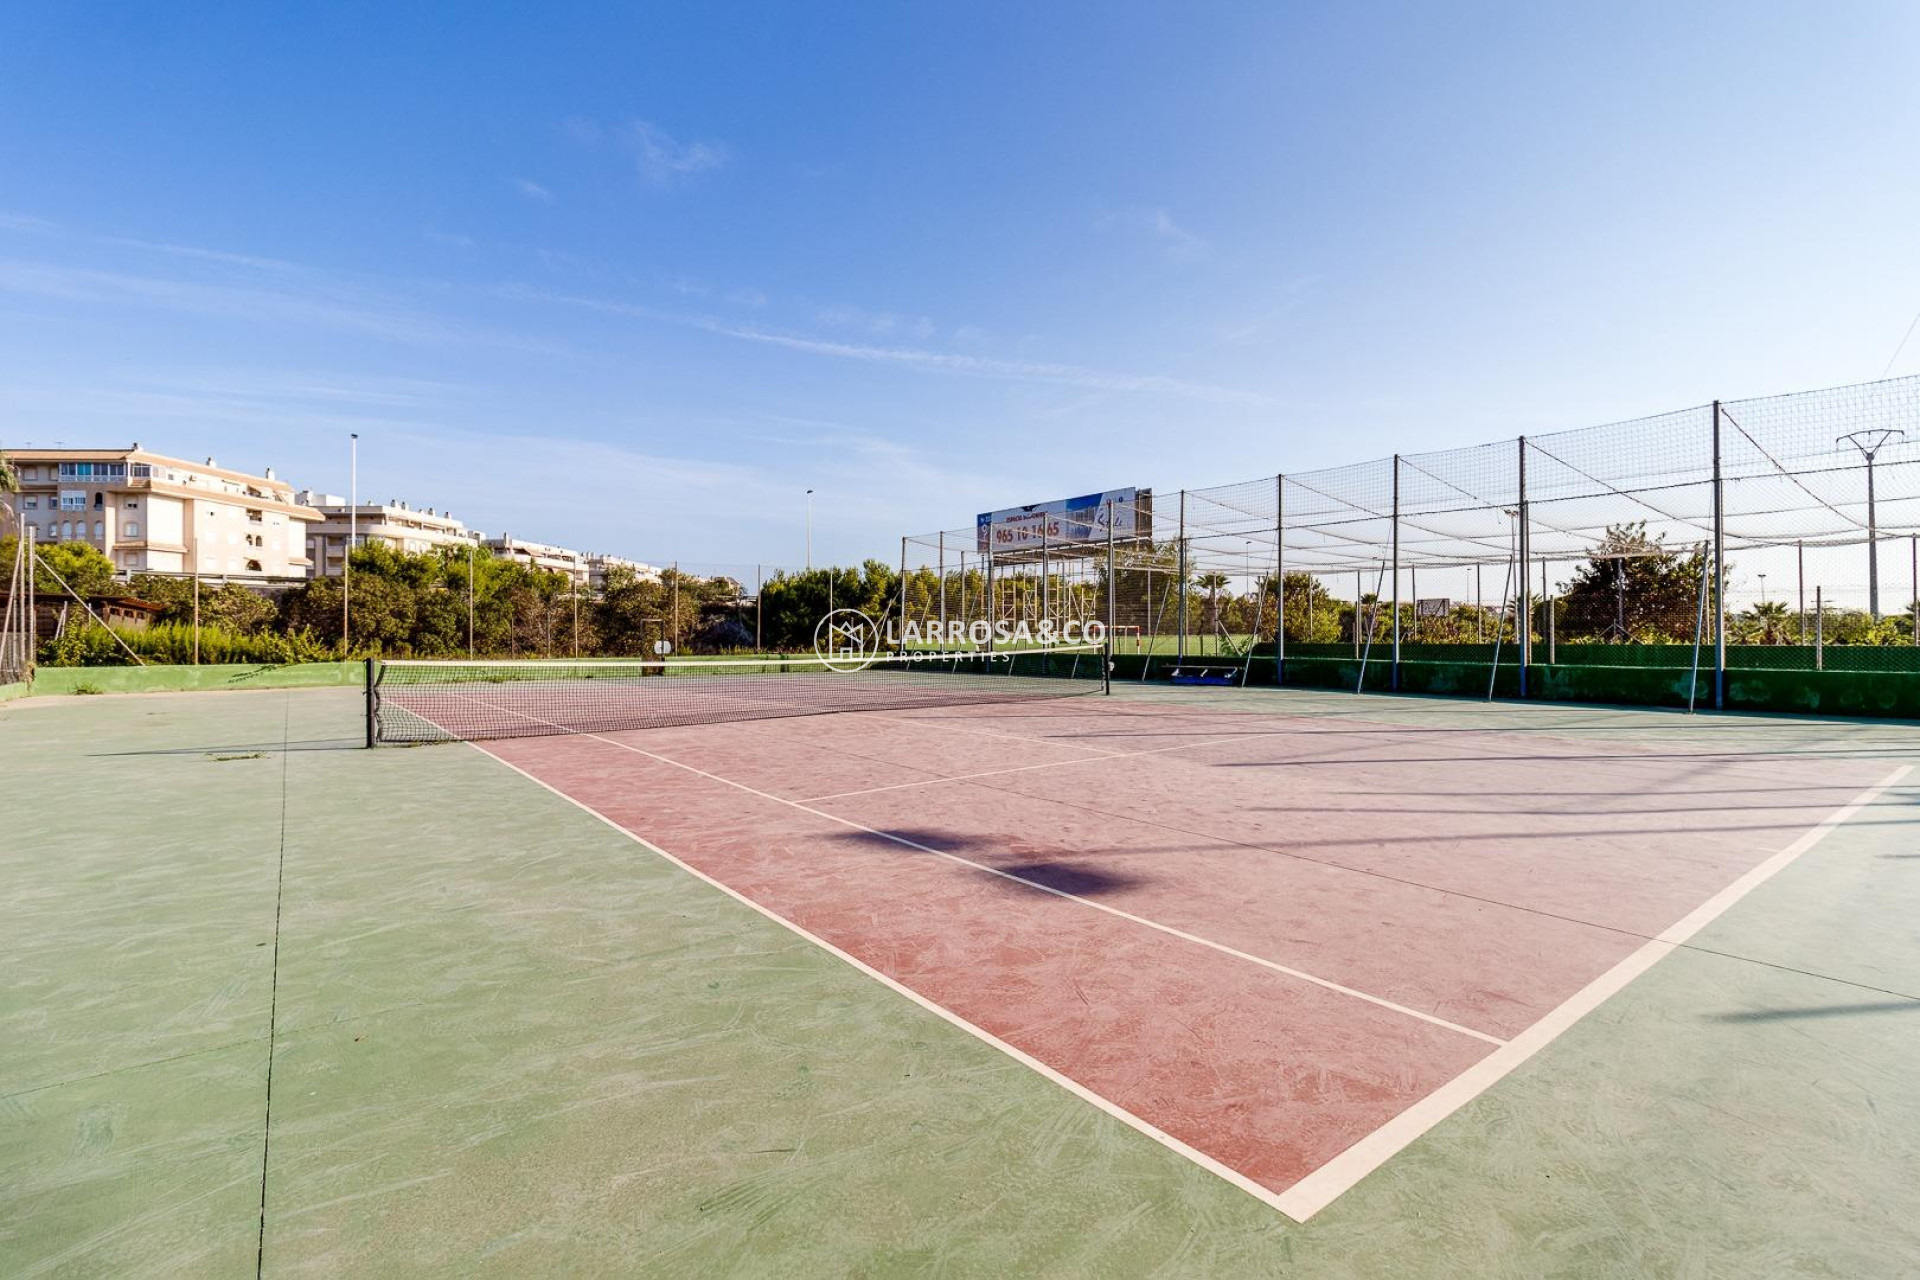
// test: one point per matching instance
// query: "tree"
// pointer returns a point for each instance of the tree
(230, 605)
(85, 570)
(1211, 583)
(383, 612)
(1633, 588)
(1765, 623)
(9, 485)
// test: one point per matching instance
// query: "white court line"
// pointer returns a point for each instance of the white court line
(1264, 1194)
(1169, 930)
(1299, 974)
(1328, 1182)
(1321, 1187)
(1022, 768)
(943, 726)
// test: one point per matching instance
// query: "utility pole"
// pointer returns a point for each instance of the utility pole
(1869, 443)
(353, 531)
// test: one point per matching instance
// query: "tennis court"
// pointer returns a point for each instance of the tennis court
(996, 980)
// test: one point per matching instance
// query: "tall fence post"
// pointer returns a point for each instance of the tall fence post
(1046, 573)
(1394, 682)
(1180, 648)
(1106, 660)
(1719, 572)
(1359, 590)
(990, 605)
(1800, 556)
(1819, 631)
(903, 596)
(1280, 584)
(1523, 616)
(942, 555)
(1915, 580)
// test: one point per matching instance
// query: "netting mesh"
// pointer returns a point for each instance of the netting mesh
(1602, 541)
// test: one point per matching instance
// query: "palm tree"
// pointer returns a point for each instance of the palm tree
(1212, 582)
(9, 485)
(1769, 618)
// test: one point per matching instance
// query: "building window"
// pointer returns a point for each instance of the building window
(133, 528)
(253, 566)
(99, 501)
(133, 504)
(30, 504)
(93, 470)
(141, 471)
(99, 531)
(73, 500)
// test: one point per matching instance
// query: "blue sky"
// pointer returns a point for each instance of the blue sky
(632, 279)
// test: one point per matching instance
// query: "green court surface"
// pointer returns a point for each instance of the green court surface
(273, 1004)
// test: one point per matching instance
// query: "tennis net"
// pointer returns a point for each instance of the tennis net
(417, 700)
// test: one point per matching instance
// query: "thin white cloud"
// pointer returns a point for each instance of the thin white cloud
(987, 367)
(533, 190)
(845, 316)
(663, 160)
(1181, 245)
(1175, 241)
(308, 301)
(747, 298)
(26, 222)
(918, 359)
(248, 260)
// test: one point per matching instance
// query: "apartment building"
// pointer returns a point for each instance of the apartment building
(597, 566)
(150, 513)
(539, 555)
(395, 523)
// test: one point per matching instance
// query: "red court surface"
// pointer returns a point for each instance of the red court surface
(1283, 945)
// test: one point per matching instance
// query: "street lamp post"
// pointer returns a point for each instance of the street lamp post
(1869, 443)
(353, 529)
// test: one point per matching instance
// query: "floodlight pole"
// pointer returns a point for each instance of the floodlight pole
(1280, 581)
(1869, 443)
(1719, 571)
(353, 529)
(991, 606)
(1523, 554)
(1180, 649)
(1046, 572)
(1800, 556)
(1394, 682)
(1106, 657)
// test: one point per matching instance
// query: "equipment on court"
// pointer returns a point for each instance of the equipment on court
(412, 700)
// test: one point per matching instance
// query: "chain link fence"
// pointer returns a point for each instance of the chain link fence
(1780, 533)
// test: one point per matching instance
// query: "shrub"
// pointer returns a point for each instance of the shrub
(171, 644)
